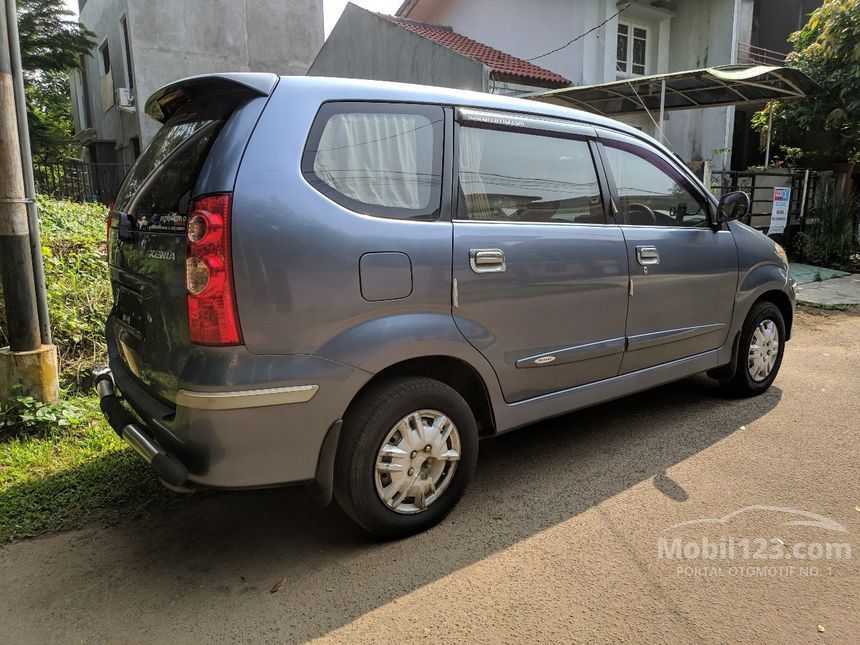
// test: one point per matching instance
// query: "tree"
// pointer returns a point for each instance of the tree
(52, 44)
(827, 49)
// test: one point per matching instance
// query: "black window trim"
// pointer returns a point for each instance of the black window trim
(650, 151)
(536, 126)
(435, 114)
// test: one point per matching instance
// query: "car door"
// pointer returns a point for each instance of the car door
(539, 275)
(683, 272)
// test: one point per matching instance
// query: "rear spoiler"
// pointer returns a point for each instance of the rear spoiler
(165, 101)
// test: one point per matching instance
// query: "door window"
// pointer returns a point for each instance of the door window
(518, 177)
(650, 191)
(382, 160)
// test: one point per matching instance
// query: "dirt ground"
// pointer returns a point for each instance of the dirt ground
(568, 534)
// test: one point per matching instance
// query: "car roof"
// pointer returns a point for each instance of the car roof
(346, 89)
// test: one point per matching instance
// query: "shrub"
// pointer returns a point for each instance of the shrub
(830, 240)
(827, 122)
(73, 246)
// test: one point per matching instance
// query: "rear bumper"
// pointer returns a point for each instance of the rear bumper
(243, 421)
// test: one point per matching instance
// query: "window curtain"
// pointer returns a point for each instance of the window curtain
(471, 182)
(376, 158)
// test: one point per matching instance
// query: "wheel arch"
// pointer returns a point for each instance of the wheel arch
(781, 300)
(450, 370)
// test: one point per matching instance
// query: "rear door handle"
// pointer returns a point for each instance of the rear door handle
(646, 255)
(487, 260)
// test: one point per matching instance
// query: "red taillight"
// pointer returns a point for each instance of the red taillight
(212, 315)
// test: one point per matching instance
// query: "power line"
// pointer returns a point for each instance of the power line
(583, 35)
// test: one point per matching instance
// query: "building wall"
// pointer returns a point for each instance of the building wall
(364, 45)
(523, 29)
(697, 33)
(112, 125)
(173, 39)
(703, 35)
(694, 34)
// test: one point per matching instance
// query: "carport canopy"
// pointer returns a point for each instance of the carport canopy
(692, 89)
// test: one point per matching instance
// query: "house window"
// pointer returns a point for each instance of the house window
(129, 74)
(631, 49)
(104, 51)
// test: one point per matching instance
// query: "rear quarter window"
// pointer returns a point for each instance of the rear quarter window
(378, 159)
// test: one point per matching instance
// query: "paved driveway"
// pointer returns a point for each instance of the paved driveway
(565, 536)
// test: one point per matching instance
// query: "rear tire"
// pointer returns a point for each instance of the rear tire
(407, 452)
(760, 349)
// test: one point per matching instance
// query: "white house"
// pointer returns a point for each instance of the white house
(588, 42)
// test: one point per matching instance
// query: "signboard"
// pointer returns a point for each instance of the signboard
(779, 212)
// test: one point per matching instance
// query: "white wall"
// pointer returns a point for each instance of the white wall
(171, 39)
(524, 29)
(703, 35)
(365, 45)
(698, 33)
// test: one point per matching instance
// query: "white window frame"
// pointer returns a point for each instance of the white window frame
(628, 71)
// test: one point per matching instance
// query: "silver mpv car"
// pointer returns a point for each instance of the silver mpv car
(346, 284)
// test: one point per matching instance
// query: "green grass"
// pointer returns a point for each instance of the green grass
(61, 466)
(57, 478)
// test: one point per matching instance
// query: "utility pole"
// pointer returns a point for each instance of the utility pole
(26, 361)
(27, 167)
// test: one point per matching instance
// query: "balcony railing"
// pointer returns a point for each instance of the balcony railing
(752, 55)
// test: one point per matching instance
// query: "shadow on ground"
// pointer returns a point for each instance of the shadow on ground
(224, 551)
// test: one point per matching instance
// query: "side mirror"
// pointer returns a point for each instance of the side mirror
(733, 206)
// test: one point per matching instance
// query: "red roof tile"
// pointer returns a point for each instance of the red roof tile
(498, 61)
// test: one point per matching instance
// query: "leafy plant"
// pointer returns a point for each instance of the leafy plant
(26, 413)
(827, 49)
(830, 240)
(791, 155)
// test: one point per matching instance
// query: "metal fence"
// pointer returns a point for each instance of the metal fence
(808, 187)
(80, 181)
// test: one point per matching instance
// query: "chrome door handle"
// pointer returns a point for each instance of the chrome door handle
(487, 260)
(646, 255)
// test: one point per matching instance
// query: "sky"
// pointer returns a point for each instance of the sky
(331, 9)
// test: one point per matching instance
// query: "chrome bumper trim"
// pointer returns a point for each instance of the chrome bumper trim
(245, 398)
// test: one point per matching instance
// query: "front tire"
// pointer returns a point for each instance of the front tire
(406, 454)
(760, 350)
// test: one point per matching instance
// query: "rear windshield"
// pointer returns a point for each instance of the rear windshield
(161, 181)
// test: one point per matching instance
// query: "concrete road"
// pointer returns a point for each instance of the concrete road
(564, 536)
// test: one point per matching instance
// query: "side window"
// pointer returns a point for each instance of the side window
(650, 191)
(517, 177)
(378, 159)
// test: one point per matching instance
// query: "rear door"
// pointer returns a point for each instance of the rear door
(146, 251)
(540, 276)
(683, 273)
